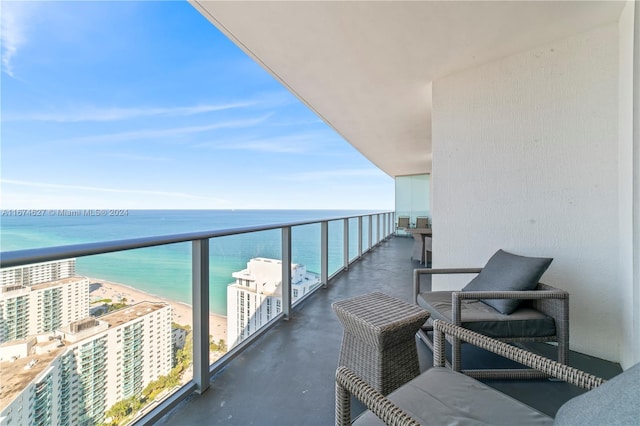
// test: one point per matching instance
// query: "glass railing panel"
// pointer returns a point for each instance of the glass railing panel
(365, 233)
(306, 260)
(245, 290)
(336, 246)
(114, 311)
(147, 294)
(353, 238)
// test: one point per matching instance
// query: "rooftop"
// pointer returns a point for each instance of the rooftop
(14, 377)
(130, 313)
(13, 290)
(56, 283)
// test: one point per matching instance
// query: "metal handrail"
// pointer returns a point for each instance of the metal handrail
(46, 254)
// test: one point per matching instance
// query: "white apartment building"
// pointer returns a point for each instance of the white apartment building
(37, 273)
(74, 377)
(51, 399)
(27, 310)
(256, 296)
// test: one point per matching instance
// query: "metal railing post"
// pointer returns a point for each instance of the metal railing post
(286, 272)
(200, 289)
(324, 253)
(378, 236)
(345, 241)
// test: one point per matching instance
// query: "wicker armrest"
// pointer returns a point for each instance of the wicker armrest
(348, 383)
(555, 369)
(429, 271)
(547, 299)
(523, 295)
(558, 308)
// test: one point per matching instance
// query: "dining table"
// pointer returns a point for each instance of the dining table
(422, 243)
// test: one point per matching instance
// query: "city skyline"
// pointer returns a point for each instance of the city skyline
(147, 105)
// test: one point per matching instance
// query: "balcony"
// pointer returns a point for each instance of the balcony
(508, 181)
(288, 374)
(287, 370)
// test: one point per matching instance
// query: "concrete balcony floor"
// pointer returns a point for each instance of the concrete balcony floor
(287, 376)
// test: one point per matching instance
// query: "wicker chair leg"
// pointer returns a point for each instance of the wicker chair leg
(456, 349)
(343, 406)
(438, 349)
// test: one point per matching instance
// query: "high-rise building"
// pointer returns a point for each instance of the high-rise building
(37, 273)
(41, 308)
(256, 296)
(51, 399)
(74, 376)
(40, 298)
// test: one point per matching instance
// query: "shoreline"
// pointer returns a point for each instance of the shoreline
(182, 312)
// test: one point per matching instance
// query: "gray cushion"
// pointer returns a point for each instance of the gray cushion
(612, 403)
(441, 396)
(508, 272)
(476, 316)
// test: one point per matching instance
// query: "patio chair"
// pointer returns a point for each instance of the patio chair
(506, 302)
(422, 222)
(403, 223)
(440, 396)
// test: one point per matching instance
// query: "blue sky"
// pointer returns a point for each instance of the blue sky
(148, 105)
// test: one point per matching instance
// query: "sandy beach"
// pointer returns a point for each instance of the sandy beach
(182, 313)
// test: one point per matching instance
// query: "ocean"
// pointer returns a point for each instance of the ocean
(166, 270)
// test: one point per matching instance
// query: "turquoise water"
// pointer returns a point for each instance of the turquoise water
(166, 270)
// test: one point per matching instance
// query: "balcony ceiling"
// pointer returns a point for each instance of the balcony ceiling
(366, 67)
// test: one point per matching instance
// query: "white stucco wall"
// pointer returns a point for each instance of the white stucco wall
(525, 158)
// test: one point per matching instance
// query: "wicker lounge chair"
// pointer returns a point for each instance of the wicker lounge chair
(441, 396)
(543, 315)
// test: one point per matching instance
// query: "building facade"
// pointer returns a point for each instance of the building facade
(75, 376)
(38, 273)
(41, 308)
(256, 296)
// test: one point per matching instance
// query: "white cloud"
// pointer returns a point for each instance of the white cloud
(135, 157)
(337, 174)
(12, 31)
(46, 185)
(291, 144)
(117, 114)
(163, 133)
